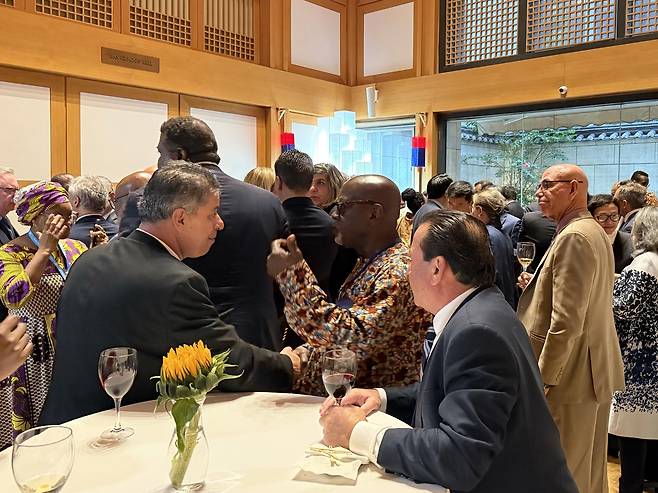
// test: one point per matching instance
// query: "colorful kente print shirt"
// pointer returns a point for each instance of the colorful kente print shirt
(23, 393)
(374, 316)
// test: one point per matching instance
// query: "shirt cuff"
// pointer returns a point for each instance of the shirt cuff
(383, 398)
(366, 439)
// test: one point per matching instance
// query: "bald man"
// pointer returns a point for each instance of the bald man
(374, 314)
(126, 197)
(566, 309)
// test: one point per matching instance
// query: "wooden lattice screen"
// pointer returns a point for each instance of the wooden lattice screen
(480, 30)
(641, 17)
(165, 20)
(229, 28)
(560, 23)
(94, 12)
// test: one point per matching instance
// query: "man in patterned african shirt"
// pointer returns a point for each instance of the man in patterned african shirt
(374, 315)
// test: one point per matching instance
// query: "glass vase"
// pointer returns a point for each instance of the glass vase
(189, 467)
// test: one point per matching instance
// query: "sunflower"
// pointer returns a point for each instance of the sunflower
(186, 362)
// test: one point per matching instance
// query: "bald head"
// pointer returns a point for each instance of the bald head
(127, 185)
(563, 189)
(378, 189)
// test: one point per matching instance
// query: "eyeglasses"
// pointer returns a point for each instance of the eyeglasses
(341, 207)
(607, 217)
(548, 184)
(9, 190)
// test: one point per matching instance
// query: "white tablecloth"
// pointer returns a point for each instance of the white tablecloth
(255, 442)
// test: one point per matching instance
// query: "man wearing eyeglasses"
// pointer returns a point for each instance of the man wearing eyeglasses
(8, 188)
(374, 315)
(567, 310)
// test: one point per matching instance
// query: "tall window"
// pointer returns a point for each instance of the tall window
(609, 142)
(357, 149)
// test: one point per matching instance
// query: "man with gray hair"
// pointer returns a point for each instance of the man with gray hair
(89, 199)
(8, 188)
(630, 198)
(151, 301)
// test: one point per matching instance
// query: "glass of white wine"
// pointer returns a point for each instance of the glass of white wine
(525, 252)
(42, 459)
(117, 368)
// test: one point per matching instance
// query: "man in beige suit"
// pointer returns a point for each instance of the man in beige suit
(566, 308)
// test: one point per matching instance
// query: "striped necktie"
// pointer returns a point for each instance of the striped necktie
(430, 335)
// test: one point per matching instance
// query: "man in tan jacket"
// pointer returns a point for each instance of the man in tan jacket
(566, 308)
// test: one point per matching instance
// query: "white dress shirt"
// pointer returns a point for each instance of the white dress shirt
(173, 254)
(367, 437)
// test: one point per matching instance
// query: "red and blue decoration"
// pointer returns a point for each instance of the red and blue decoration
(287, 141)
(418, 152)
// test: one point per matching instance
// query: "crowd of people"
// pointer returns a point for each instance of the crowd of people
(510, 380)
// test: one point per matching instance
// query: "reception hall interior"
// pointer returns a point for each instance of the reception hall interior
(329, 245)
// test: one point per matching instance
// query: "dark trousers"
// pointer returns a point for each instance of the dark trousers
(637, 463)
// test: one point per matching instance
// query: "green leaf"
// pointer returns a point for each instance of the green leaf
(200, 382)
(183, 411)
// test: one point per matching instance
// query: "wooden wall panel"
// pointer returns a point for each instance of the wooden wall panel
(74, 49)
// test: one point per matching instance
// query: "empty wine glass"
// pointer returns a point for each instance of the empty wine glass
(117, 368)
(525, 252)
(42, 458)
(338, 372)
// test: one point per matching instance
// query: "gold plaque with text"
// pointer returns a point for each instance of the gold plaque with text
(130, 60)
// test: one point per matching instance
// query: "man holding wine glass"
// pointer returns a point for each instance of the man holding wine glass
(479, 410)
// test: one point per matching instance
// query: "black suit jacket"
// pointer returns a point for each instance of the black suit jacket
(314, 230)
(627, 226)
(514, 208)
(503, 253)
(83, 226)
(132, 292)
(481, 423)
(540, 230)
(235, 267)
(622, 248)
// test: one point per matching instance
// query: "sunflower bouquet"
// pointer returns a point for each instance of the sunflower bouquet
(187, 374)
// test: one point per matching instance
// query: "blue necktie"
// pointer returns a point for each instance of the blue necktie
(430, 335)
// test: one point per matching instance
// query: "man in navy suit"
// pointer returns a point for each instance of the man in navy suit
(89, 199)
(479, 416)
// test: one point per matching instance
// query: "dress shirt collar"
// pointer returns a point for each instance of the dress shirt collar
(625, 219)
(576, 214)
(173, 254)
(297, 202)
(444, 315)
(90, 216)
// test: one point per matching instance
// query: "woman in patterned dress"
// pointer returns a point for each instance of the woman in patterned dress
(634, 416)
(33, 268)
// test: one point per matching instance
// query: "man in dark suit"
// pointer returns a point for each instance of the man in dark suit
(311, 225)
(538, 229)
(8, 188)
(89, 199)
(436, 198)
(136, 292)
(511, 204)
(479, 416)
(630, 198)
(235, 265)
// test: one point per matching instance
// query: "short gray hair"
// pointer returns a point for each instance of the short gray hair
(7, 171)
(634, 193)
(645, 231)
(91, 191)
(179, 185)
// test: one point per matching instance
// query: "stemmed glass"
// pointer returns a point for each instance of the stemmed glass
(117, 368)
(525, 252)
(42, 459)
(338, 372)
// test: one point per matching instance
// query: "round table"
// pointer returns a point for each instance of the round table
(256, 442)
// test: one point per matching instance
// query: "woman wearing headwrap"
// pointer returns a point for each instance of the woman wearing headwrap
(33, 268)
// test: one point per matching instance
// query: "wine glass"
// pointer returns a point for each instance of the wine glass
(117, 368)
(525, 252)
(338, 372)
(42, 458)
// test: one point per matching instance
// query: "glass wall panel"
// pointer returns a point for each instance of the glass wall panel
(608, 141)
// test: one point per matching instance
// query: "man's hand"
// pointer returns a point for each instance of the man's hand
(338, 423)
(285, 254)
(98, 236)
(296, 362)
(15, 345)
(524, 279)
(367, 399)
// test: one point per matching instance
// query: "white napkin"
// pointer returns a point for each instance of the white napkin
(330, 465)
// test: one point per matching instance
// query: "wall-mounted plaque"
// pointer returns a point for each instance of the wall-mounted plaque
(130, 60)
